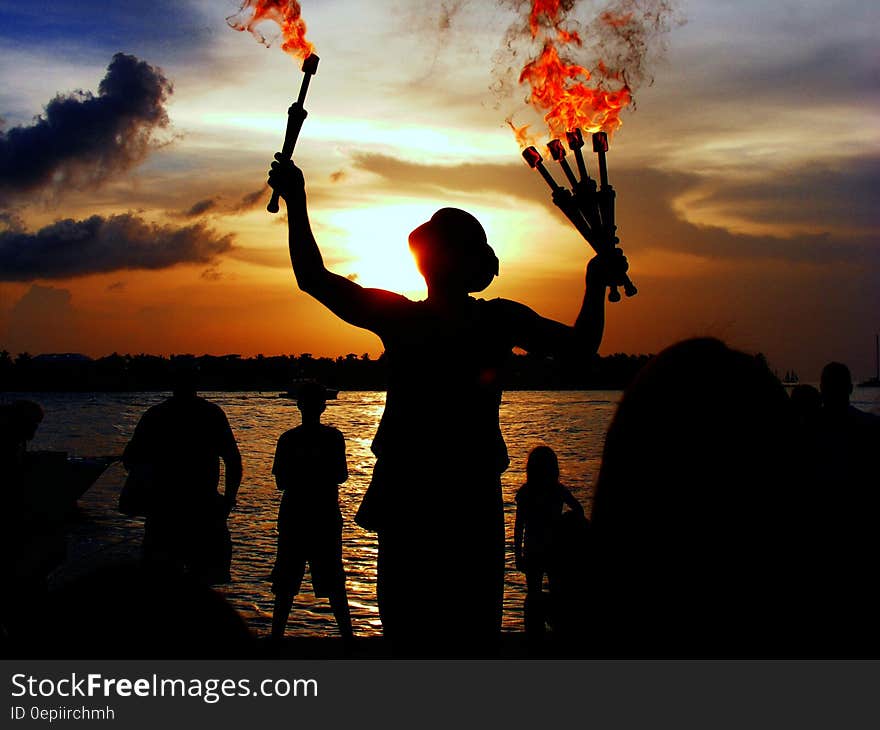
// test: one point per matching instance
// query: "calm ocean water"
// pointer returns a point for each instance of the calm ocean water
(572, 423)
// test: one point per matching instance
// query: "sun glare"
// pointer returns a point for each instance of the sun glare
(375, 241)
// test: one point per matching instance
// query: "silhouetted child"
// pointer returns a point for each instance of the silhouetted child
(539, 505)
(309, 467)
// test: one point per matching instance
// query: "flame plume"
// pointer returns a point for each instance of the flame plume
(588, 95)
(286, 13)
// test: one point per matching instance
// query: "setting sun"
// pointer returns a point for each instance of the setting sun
(375, 239)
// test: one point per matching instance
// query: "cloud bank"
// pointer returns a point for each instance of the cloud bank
(84, 139)
(70, 248)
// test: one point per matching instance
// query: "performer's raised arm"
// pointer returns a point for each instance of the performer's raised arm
(355, 304)
(540, 335)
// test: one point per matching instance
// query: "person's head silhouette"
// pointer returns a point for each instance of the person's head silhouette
(836, 386)
(185, 378)
(311, 399)
(542, 468)
(452, 253)
(24, 416)
(806, 403)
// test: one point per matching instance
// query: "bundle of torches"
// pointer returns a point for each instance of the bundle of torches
(589, 208)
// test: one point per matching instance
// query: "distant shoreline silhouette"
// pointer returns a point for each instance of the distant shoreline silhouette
(274, 374)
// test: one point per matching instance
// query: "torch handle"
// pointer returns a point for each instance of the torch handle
(548, 178)
(603, 242)
(303, 89)
(582, 166)
(603, 170)
(296, 115)
(566, 168)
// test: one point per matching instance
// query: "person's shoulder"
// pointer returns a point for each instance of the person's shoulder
(506, 308)
(864, 418)
(159, 411)
(389, 303)
(331, 431)
(384, 296)
(208, 405)
(288, 436)
(522, 492)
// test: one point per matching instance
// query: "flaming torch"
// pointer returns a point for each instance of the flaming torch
(590, 213)
(571, 97)
(296, 115)
(287, 14)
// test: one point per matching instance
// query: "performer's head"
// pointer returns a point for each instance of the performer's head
(452, 252)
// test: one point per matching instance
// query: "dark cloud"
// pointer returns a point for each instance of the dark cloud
(646, 206)
(812, 195)
(199, 208)
(84, 139)
(70, 248)
(251, 200)
(219, 204)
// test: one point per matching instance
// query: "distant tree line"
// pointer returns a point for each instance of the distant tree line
(78, 373)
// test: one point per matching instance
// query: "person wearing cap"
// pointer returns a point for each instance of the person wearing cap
(435, 496)
(309, 466)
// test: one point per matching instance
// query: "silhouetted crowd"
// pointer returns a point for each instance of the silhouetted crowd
(729, 520)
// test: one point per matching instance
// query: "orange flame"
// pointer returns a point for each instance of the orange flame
(286, 13)
(549, 10)
(567, 94)
(523, 138)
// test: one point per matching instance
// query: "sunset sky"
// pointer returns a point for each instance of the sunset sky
(746, 177)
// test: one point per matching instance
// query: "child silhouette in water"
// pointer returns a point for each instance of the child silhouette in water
(539, 504)
(309, 467)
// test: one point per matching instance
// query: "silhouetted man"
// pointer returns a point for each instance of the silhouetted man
(177, 446)
(845, 456)
(435, 497)
(847, 435)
